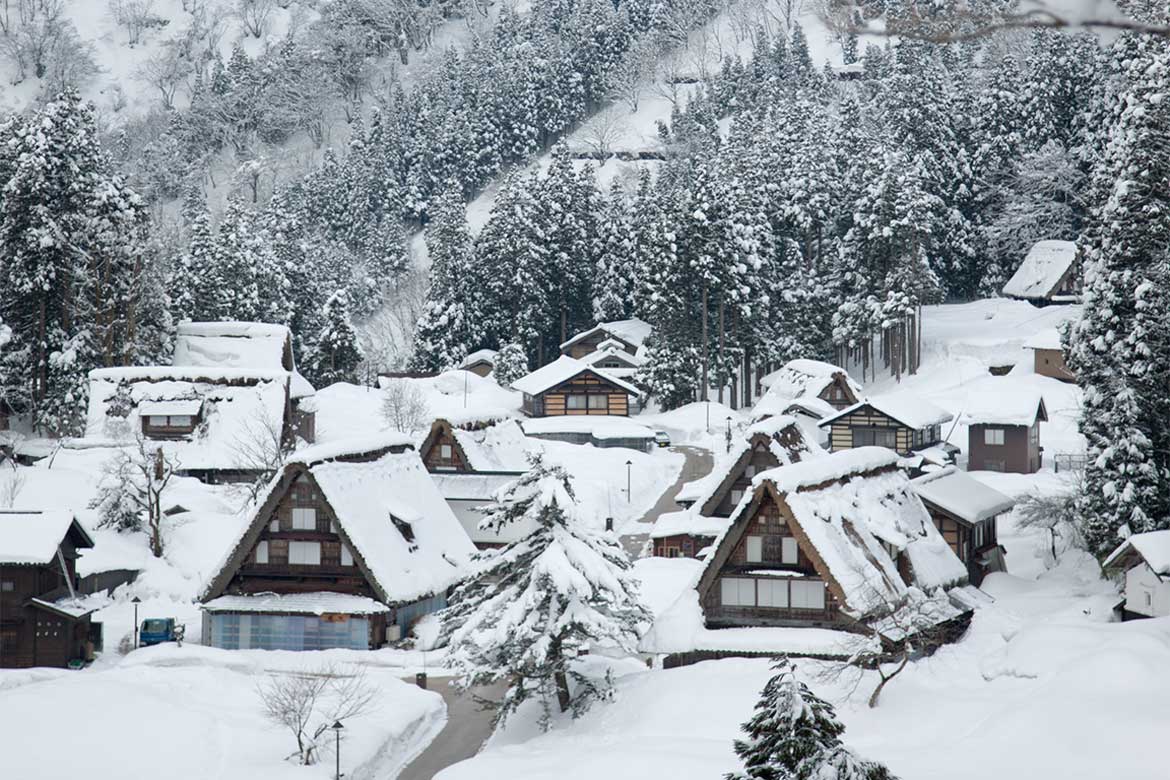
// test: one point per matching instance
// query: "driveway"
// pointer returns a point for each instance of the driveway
(467, 728)
(698, 464)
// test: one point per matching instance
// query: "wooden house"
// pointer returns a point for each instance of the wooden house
(481, 362)
(710, 500)
(615, 359)
(1050, 273)
(808, 387)
(214, 423)
(470, 459)
(966, 511)
(630, 336)
(1003, 432)
(899, 421)
(1049, 357)
(351, 544)
(1144, 560)
(840, 541)
(568, 387)
(42, 621)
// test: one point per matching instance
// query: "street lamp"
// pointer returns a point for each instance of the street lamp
(337, 727)
(629, 495)
(135, 601)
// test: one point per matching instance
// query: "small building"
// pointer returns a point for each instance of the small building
(685, 534)
(568, 387)
(1049, 274)
(629, 336)
(1003, 431)
(43, 622)
(840, 541)
(470, 459)
(1049, 356)
(606, 432)
(1145, 561)
(481, 362)
(350, 546)
(899, 421)
(216, 424)
(252, 346)
(966, 512)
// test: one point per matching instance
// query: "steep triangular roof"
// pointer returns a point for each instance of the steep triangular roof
(486, 445)
(1047, 264)
(633, 332)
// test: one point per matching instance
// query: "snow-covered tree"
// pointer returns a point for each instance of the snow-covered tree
(131, 489)
(535, 606)
(795, 735)
(511, 364)
(336, 353)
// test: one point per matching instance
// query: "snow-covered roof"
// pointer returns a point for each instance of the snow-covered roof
(239, 407)
(254, 345)
(464, 486)
(837, 466)
(810, 406)
(688, 522)
(499, 447)
(632, 331)
(1049, 338)
(612, 350)
(351, 447)
(317, 603)
(902, 406)
(561, 370)
(189, 407)
(466, 492)
(1152, 546)
(33, 537)
(1009, 406)
(600, 426)
(798, 378)
(1045, 265)
(961, 495)
(479, 356)
(69, 606)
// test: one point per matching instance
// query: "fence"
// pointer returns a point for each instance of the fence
(1068, 461)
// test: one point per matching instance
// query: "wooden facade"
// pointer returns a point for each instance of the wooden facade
(682, 545)
(37, 633)
(1051, 363)
(970, 542)
(869, 427)
(1010, 448)
(441, 451)
(587, 393)
(590, 343)
(838, 393)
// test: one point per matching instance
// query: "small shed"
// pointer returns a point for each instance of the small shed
(603, 432)
(481, 362)
(900, 421)
(1049, 274)
(351, 544)
(966, 512)
(568, 387)
(1049, 356)
(685, 534)
(1145, 561)
(43, 620)
(629, 334)
(1003, 431)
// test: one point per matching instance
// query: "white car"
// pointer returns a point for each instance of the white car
(662, 438)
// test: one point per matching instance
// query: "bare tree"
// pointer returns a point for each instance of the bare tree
(387, 337)
(603, 131)
(135, 15)
(167, 70)
(1056, 515)
(11, 485)
(131, 490)
(404, 406)
(260, 447)
(632, 72)
(253, 15)
(308, 703)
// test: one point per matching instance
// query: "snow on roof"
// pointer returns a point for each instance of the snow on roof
(1152, 546)
(366, 495)
(480, 355)
(351, 447)
(254, 345)
(688, 522)
(33, 537)
(902, 406)
(1049, 338)
(612, 350)
(632, 331)
(466, 492)
(464, 486)
(69, 607)
(238, 406)
(499, 447)
(600, 426)
(1010, 405)
(836, 466)
(798, 378)
(959, 494)
(177, 407)
(810, 405)
(1039, 276)
(561, 370)
(318, 603)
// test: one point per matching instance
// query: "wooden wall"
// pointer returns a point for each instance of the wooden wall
(841, 430)
(433, 457)
(1051, 363)
(1018, 454)
(554, 401)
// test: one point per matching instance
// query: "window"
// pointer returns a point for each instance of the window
(871, 437)
(304, 553)
(576, 402)
(1149, 598)
(7, 586)
(772, 593)
(262, 552)
(808, 594)
(749, 471)
(598, 401)
(736, 495)
(789, 551)
(177, 421)
(304, 518)
(278, 551)
(672, 552)
(738, 592)
(755, 549)
(346, 556)
(993, 437)
(445, 451)
(404, 528)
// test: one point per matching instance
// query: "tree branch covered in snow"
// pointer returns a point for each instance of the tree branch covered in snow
(308, 703)
(131, 489)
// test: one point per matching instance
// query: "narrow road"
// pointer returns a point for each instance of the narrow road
(698, 464)
(467, 728)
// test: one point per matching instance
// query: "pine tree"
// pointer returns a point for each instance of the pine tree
(336, 354)
(538, 603)
(795, 735)
(511, 364)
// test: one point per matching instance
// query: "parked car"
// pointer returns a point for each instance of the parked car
(155, 631)
(662, 438)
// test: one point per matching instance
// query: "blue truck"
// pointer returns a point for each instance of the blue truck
(155, 631)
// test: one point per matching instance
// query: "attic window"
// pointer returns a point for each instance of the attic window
(404, 528)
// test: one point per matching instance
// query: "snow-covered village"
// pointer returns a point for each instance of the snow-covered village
(584, 389)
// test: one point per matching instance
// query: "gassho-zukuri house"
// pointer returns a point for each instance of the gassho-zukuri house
(840, 541)
(350, 546)
(809, 387)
